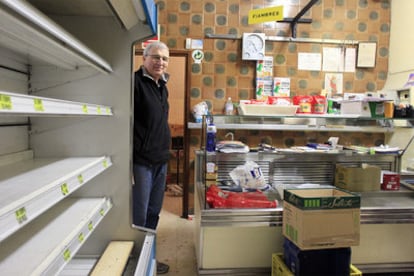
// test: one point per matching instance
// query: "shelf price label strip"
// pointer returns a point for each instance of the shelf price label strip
(75, 240)
(19, 103)
(33, 205)
(5, 102)
(38, 105)
(21, 215)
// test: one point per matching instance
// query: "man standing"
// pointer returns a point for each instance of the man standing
(151, 138)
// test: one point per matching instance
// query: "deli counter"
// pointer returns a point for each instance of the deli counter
(237, 241)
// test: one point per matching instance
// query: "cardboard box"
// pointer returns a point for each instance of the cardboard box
(363, 108)
(390, 181)
(366, 178)
(321, 218)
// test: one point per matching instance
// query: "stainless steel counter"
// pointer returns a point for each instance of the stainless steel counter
(387, 217)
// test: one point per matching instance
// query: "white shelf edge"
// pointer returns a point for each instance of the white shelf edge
(37, 30)
(145, 265)
(21, 104)
(252, 126)
(54, 239)
(32, 204)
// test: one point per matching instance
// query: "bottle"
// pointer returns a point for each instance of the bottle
(228, 107)
(211, 137)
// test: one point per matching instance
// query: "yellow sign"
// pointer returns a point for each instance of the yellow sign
(265, 15)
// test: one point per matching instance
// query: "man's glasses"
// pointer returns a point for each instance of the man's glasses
(159, 58)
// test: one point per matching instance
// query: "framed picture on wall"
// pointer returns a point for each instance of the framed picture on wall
(366, 54)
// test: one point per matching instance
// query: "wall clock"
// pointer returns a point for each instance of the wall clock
(253, 46)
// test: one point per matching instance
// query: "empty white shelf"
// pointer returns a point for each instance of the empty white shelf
(26, 30)
(29, 188)
(21, 104)
(52, 240)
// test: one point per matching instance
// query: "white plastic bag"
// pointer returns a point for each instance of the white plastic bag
(199, 110)
(248, 176)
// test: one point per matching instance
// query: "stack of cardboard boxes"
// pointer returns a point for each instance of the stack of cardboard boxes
(319, 227)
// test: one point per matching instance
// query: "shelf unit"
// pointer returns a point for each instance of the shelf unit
(53, 239)
(301, 122)
(42, 223)
(29, 32)
(33, 186)
(19, 104)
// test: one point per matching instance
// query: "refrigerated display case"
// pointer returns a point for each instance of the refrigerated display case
(242, 240)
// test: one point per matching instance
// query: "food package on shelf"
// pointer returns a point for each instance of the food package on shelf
(218, 198)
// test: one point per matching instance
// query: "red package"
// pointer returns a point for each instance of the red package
(319, 104)
(218, 198)
(304, 102)
(279, 100)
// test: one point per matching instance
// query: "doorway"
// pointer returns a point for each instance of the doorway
(178, 176)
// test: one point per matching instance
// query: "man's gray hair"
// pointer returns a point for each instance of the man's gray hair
(157, 45)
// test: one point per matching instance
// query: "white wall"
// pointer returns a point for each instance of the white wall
(401, 64)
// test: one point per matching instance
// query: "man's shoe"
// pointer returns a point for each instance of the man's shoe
(162, 268)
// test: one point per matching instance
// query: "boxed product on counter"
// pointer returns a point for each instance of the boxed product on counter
(363, 108)
(365, 178)
(390, 181)
(321, 218)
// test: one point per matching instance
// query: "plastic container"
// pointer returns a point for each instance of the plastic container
(279, 267)
(335, 261)
(228, 108)
(211, 138)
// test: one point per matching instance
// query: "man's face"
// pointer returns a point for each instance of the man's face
(156, 62)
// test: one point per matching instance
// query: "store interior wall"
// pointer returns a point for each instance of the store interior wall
(401, 65)
(222, 73)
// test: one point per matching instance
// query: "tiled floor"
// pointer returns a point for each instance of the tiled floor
(175, 239)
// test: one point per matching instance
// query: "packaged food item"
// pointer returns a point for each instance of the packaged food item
(304, 103)
(319, 104)
(279, 100)
(218, 198)
(228, 107)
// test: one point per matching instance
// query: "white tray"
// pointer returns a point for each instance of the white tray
(267, 109)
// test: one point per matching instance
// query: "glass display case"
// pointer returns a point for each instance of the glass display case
(233, 224)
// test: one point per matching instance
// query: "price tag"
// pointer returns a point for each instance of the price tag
(21, 215)
(105, 163)
(108, 111)
(98, 110)
(81, 237)
(90, 226)
(5, 102)
(85, 108)
(80, 179)
(66, 255)
(38, 105)
(64, 188)
(102, 212)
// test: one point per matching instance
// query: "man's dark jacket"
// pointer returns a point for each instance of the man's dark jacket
(152, 135)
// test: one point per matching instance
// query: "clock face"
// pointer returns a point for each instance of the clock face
(253, 46)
